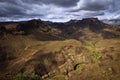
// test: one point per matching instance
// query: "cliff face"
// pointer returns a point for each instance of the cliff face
(78, 49)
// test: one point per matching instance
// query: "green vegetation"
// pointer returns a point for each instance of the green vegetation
(25, 76)
(79, 67)
(91, 47)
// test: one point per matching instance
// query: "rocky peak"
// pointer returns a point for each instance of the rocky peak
(30, 25)
(73, 21)
(85, 21)
(35, 20)
(90, 19)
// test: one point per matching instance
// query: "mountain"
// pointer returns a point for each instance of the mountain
(115, 22)
(53, 31)
(86, 49)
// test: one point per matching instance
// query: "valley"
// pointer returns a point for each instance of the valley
(86, 49)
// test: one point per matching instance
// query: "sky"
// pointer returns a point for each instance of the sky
(58, 10)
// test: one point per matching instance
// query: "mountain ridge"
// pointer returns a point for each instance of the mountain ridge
(57, 30)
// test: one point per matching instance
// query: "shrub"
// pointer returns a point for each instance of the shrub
(25, 76)
(78, 66)
(91, 47)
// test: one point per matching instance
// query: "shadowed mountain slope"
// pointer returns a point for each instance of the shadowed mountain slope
(88, 28)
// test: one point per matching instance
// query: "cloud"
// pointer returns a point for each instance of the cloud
(96, 5)
(61, 3)
(93, 5)
(58, 10)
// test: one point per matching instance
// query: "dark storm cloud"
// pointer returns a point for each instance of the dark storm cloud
(94, 5)
(16, 9)
(94, 13)
(8, 1)
(9, 11)
(9, 8)
(61, 3)
(58, 9)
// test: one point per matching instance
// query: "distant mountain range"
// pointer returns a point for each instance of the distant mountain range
(88, 28)
(113, 22)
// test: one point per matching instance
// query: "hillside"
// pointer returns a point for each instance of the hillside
(86, 49)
